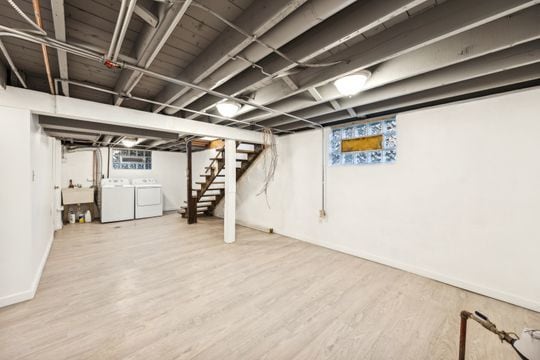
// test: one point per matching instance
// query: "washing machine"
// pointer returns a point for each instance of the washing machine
(148, 198)
(117, 200)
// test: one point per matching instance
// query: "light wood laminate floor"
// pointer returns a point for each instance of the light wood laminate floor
(160, 289)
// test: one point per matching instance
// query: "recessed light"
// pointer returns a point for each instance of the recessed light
(228, 108)
(352, 84)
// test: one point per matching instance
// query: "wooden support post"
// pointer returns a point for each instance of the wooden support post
(191, 201)
(230, 191)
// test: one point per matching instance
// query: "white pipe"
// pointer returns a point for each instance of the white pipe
(25, 17)
(123, 31)
(12, 65)
(119, 21)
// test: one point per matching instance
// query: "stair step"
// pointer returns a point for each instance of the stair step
(216, 158)
(198, 209)
(212, 183)
(184, 212)
(238, 151)
(201, 203)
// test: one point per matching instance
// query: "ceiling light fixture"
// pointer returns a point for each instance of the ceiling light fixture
(352, 84)
(228, 108)
(129, 142)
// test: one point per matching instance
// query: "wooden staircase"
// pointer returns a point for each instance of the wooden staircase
(212, 189)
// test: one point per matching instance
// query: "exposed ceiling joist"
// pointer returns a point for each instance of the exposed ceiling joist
(486, 84)
(492, 83)
(257, 19)
(59, 22)
(40, 103)
(352, 113)
(354, 20)
(146, 15)
(70, 125)
(304, 18)
(515, 57)
(289, 82)
(149, 44)
(489, 38)
(438, 23)
(315, 93)
(335, 104)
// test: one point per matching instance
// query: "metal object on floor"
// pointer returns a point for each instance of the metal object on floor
(524, 351)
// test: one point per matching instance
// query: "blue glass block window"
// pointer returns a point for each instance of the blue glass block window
(387, 154)
(131, 159)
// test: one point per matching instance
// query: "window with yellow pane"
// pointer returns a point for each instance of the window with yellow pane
(365, 143)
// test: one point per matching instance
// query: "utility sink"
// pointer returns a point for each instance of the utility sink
(72, 196)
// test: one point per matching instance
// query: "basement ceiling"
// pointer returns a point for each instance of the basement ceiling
(282, 54)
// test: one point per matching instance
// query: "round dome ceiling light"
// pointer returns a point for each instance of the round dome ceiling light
(352, 84)
(127, 142)
(228, 108)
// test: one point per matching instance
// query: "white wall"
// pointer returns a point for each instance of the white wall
(168, 168)
(460, 205)
(26, 210)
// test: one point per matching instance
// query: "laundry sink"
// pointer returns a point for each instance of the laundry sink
(72, 196)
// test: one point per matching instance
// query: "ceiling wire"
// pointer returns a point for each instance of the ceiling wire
(260, 42)
(148, 101)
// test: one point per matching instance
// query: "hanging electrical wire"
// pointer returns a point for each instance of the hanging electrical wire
(270, 159)
(260, 42)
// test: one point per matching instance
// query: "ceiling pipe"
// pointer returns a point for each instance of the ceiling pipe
(149, 44)
(117, 27)
(56, 44)
(148, 101)
(328, 23)
(12, 65)
(26, 18)
(37, 13)
(250, 26)
(123, 31)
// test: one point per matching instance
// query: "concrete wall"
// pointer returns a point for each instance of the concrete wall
(27, 209)
(460, 205)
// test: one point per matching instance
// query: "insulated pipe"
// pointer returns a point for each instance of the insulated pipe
(11, 64)
(37, 13)
(119, 22)
(125, 25)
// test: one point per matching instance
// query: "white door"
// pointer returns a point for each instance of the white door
(56, 181)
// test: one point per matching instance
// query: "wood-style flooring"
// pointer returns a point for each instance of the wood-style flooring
(160, 289)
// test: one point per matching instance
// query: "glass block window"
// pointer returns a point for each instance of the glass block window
(126, 159)
(366, 143)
